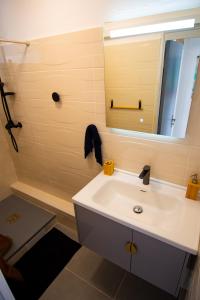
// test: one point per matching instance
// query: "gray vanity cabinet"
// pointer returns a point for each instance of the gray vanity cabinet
(103, 236)
(146, 257)
(157, 262)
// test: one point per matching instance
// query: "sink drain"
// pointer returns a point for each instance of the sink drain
(138, 209)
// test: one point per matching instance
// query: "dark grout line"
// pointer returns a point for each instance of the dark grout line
(88, 283)
(120, 285)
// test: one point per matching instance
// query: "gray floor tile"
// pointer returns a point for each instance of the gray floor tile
(68, 287)
(134, 288)
(97, 271)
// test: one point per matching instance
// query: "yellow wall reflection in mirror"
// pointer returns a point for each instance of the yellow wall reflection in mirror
(132, 72)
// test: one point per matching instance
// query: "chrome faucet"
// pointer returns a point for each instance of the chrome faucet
(145, 174)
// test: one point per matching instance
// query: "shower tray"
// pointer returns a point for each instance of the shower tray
(24, 223)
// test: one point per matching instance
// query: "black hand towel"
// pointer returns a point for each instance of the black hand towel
(93, 140)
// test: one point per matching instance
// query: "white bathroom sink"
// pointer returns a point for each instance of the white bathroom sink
(166, 214)
(120, 193)
(156, 206)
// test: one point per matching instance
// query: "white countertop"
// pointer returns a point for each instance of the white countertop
(167, 214)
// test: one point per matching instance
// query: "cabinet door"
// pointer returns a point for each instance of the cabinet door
(104, 236)
(157, 262)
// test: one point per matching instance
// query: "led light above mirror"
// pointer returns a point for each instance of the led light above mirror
(152, 28)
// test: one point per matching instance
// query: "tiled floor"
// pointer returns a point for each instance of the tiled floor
(96, 271)
(90, 277)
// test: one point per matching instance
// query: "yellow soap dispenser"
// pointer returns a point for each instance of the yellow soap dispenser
(193, 187)
(108, 167)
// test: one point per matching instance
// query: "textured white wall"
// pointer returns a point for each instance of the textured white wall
(27, 19)
(51, 141)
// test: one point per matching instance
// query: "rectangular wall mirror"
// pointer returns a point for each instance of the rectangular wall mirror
(150, 79)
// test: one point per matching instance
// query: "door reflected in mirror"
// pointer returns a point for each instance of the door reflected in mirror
(149, 82)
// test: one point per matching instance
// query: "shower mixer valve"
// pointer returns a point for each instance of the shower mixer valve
(11, 125)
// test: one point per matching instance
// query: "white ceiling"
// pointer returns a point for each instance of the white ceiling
(120, 9)
(26, 19)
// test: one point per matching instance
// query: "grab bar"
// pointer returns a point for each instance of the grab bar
(127, 107)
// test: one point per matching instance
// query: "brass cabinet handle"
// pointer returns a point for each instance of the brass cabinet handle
(133, 248)
(127, 247)
(130, 248)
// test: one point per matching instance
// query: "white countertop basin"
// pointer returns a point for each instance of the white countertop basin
(167, 215)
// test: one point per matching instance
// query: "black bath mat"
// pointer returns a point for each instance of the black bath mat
(43, 262)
